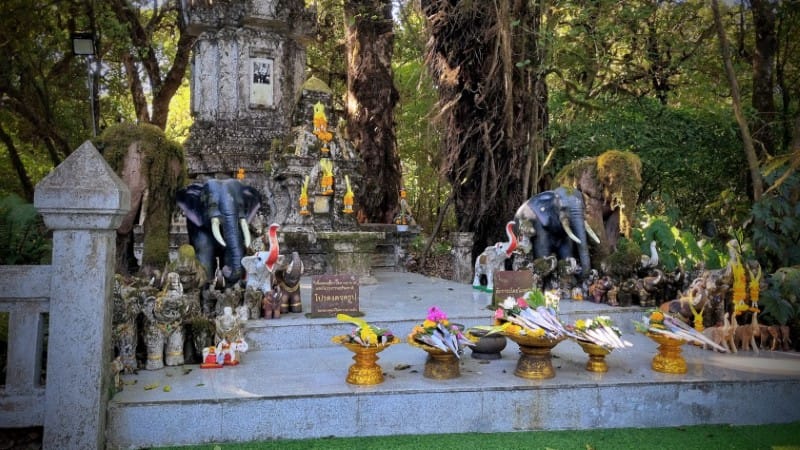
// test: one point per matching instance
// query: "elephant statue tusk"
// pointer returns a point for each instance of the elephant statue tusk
(215, 231)
(245, 232)
(591, 233)
(568, 229)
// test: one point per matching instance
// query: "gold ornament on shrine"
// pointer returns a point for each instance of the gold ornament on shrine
(326, 181)
(349, 197)
(303, 201)
(321, 127)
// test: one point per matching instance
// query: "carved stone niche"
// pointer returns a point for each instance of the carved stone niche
(247, 69)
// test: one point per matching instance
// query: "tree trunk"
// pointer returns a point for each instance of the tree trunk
(144, 56)
(16, 163)
(484, 59)
(747, 140)
(369, 106)
(766, 43)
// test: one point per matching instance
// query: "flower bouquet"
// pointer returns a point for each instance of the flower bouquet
(443, 341)
(599, 331)
(438, 332)
(664, 325)
(365, 341)
(536, 330)
(518, 318)
(365, 334)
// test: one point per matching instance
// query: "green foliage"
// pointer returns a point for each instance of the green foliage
(780, 302)
(23, 236)
(689, 155)
(677, 248)
(776, 223)
(418, 137)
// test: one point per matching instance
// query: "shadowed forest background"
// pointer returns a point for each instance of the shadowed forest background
(481, 104)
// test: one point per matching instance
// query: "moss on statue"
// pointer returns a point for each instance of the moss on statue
(619, 176)
(165, 170)
(620, 173)
(622, 264)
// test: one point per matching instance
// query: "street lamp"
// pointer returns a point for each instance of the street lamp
(83, 45)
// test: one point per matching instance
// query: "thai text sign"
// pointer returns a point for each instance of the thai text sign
(511, 283)
(333, 294)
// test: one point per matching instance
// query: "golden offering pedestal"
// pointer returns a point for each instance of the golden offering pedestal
(366, 370)
(535, 362)
(668, 359)
(597, 356)
(440, 364)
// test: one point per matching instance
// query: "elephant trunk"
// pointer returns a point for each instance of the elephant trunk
(234, 240)
(575, 228)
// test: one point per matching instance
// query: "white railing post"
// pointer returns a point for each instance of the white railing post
(83, 202)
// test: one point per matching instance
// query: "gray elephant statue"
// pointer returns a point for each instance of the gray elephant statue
(217, 216)
(555, 220)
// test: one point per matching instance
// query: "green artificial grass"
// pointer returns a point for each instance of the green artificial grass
(701, 437)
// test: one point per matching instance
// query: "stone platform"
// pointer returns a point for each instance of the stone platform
(291, 385)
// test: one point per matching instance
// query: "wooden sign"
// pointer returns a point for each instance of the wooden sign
(333, 294)
(511, 283)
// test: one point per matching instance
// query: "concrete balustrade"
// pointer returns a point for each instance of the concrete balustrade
(82, 201)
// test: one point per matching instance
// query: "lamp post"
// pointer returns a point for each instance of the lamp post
(83, 45)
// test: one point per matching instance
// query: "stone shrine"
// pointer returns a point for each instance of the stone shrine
(254, 118)
(247, 69)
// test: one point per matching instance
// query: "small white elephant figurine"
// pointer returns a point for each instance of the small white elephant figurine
(259, 277)
(228, 352)
(492, 258)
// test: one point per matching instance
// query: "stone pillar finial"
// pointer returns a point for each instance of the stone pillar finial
(83, 192)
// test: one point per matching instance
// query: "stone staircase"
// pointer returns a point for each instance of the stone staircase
(291, 384)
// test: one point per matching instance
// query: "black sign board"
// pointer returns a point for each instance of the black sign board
(333, 294)
(511, 283)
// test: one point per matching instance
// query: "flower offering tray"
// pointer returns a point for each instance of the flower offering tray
(365, 370)
(535, 361)
(597, 356)
(669, 358)
(440, 364)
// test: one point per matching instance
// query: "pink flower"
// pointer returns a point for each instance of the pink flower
(521, 303)
(499, 313)
(436, 315)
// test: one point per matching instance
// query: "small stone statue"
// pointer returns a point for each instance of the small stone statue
(164, 315)
(271, 304)
(228, 326)
(127, 305)
(230, 339)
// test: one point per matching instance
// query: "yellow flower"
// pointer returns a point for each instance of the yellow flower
(428, 324)
(580, 324)
(513, 329)
(656, 317)
(539, 332)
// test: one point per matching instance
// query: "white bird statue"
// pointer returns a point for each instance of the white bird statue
(651, 261)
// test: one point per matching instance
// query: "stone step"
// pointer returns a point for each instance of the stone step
(399, 301)
(302, 393)
(292, 384)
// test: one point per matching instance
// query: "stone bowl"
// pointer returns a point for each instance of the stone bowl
(487, 347)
